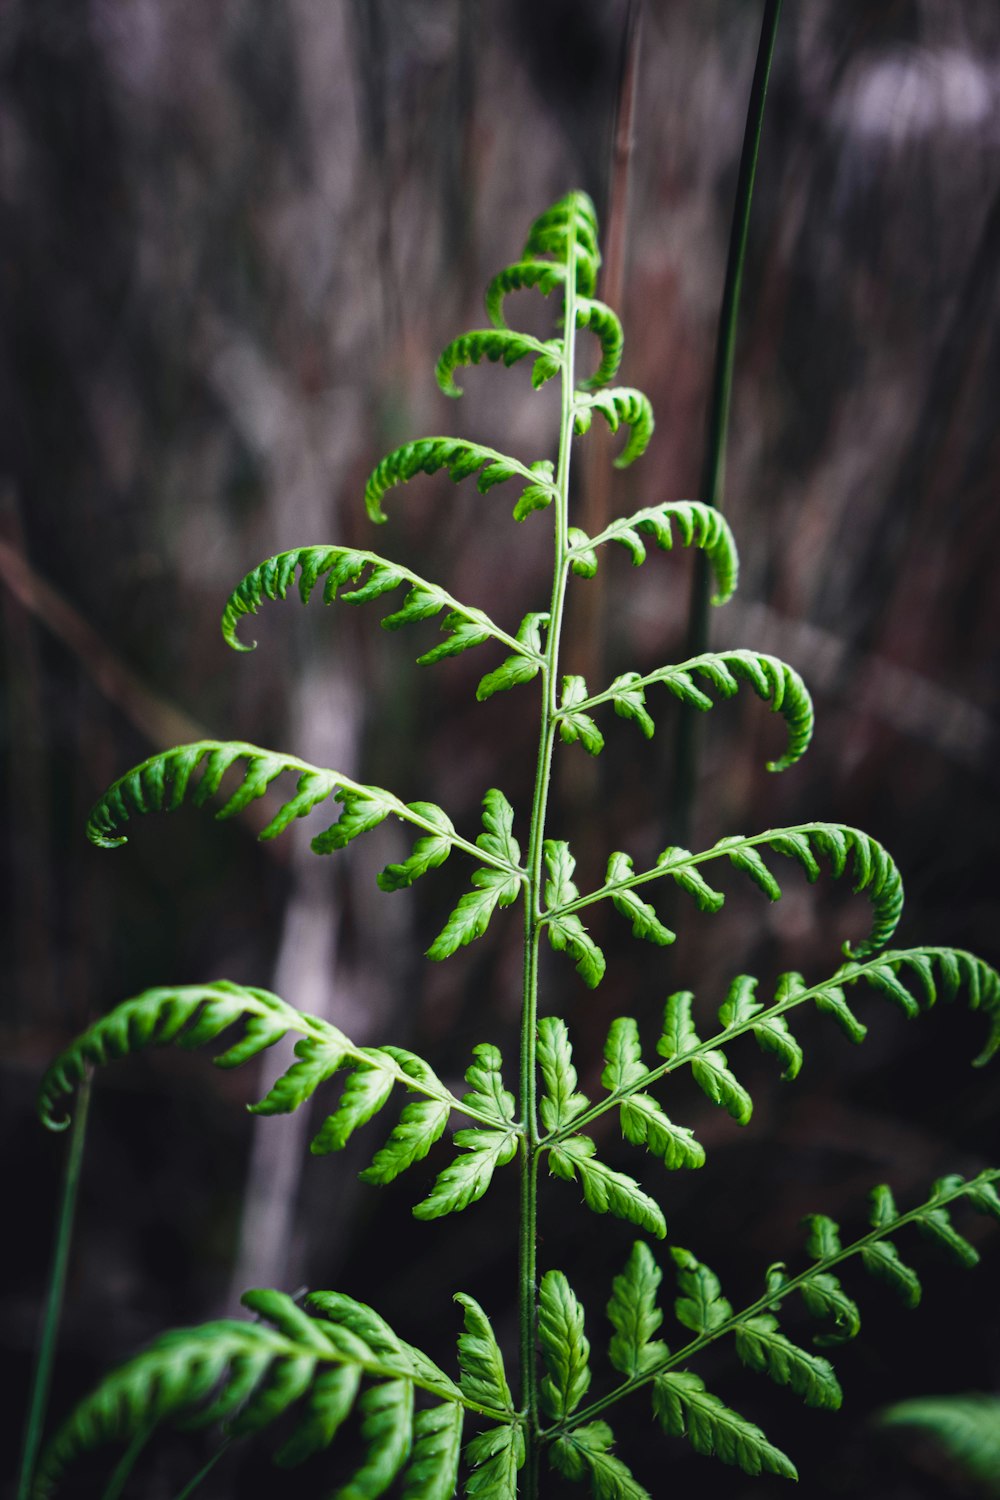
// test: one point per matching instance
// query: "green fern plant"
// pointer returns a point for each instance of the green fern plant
(315, 1365)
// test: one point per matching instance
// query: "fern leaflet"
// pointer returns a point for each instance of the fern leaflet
(461, 459)
(699, 525)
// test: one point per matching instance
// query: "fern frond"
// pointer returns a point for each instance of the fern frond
(314, 1367)
(461, 459)
(872, 868)
(698, 525)
(569, 226)
(545, 275)
(464, 626)
(621, 404)
(499, 346)
(604, 323)
(778, 684)
(966, 1427)
(585, 1453)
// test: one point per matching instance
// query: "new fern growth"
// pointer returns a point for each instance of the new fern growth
(494, 1423)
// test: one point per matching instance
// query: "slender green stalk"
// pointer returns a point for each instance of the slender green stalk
(714, 464)
(528, 1237)
(42, 1379)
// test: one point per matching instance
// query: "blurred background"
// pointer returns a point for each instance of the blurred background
(236, 236)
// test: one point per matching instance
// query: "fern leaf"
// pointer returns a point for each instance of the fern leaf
(761, 1346)
(643, 1122)
(686, 1409)
(713, 1076)
(698, 525)
(497, 838)
(576, 726)
(497, 1455)
(882, 1259)
(469, 1175)
(487, 1096)
(679, 1035)
(461, 459)
(620, 405)
(290, 1363)
(499, 346)
(585, 1452)
(545, 275)
(471, 917)
(772, 1034)
(913, 971)
(484, 1378)
(273, 578)
(428, 852)
(934, 1221)
(645, 923)
(188, 1016)
(966, 1427)
(568, 228)
(522, 665)
(387, 1429)
(825, 1298)
(605, 1190)
(564, 1345)
(432, 1472)
(701, 1306)
(635, 1315)
(561, 1102)
(604, 323)
(163, 782)
(567, 933)
(420, 1125)
(366, 1091)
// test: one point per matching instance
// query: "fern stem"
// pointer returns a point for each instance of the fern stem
(714, 465)
(528, 1232)
(42, 1379)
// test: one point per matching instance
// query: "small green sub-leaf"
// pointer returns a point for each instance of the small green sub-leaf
(484, 1378)
(698, 525)
(701, 1305)
(772, 1034)
(605, 1190)
(643, 1122)
(366, 1091)
(387, 1430)
(564, 1345)
(432, 1469)
(605, 324)
(461, 459)
(471, 917)
(496, 1455)
(645, 923)
(567, 933)
(561, 1102)
(585, 1453)
(499, 346)
(761, 1346)
(428, 852)
(470, 1174)
(635, 1315)
(487, 1095)
(522, 665)
(709, 1066)
(686, 1409)
(316, 1060)
(421, 1123)
(825, 1298)
(621, 404)
(575, 726)
(934, 1222)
